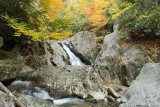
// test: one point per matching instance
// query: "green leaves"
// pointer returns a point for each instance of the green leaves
(22, 28)
(141, 18)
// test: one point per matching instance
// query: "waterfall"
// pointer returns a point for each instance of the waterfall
(74, 60)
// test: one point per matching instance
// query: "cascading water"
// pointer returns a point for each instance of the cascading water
(74, 60)
(32, 89)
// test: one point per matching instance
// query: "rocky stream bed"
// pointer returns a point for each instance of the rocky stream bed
(78, 74)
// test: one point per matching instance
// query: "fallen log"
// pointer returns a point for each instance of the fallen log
(4, 89)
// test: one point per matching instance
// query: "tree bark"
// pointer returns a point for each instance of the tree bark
(3, 88)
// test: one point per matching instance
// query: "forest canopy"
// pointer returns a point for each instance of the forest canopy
(56, 19)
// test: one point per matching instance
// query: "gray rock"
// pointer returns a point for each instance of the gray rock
(55, 54)
(1, 42)
(75, 80)
(85, 43)
(135, 58)
(13, 68)
(6, 101)
(110, 49)
(121, 65)
(144, 91)
(108, 61)
(99, 96)
(8, 69)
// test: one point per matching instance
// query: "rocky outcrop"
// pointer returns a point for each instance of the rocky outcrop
(75, 80)
(13, 68)
(82, 44)
(1, 42)
(110, 49)
(134, 59)
(85, 43)
(144, 91)
(28, 101)
(55, 54)
(123, 64)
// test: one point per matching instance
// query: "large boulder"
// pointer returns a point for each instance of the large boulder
(6, 101)
(55, 53)
(134, 59)
(144, 91)
(13, 68)
(75, 80)
(85, 43)
(123, 64)
(1, 42)
(110, 49)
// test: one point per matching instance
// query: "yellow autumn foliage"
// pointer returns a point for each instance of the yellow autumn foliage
(23, 29)
(93, 10)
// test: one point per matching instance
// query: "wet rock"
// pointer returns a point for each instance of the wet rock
(34, 102)
(143, 91)
(85, 43)
(87, 105)
(6, 101)
(1, 42)
(55, 54)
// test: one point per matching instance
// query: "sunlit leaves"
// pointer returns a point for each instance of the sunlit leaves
(87, 12)
(23, 29)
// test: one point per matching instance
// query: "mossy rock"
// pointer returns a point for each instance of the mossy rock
(6, 55)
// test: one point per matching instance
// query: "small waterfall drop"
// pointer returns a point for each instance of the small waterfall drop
(74, 60)
(32, 89)
(29, 88)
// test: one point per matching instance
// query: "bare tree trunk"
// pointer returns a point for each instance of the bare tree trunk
(3, 88)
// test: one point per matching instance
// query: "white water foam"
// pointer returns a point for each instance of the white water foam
(42, 94)
(68, 101)
(19, 82)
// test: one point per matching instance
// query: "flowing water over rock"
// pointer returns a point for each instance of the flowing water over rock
(74, 60)
(32, 89)
(29, 88)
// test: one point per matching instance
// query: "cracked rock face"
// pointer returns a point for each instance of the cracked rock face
(75, 80)
(124, 64)
(144, 91)
(55, 54)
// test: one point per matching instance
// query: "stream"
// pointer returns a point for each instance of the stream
(33, 89)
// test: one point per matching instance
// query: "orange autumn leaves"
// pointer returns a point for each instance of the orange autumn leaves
(51, 8)
(93, 10)
(96, 13)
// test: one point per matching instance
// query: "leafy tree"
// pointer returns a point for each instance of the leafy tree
(42, 19)
(142, 17)
(87, 13)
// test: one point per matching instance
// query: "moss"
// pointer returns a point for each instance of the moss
(6, 55)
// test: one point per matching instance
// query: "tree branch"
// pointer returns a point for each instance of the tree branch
(3, 88)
